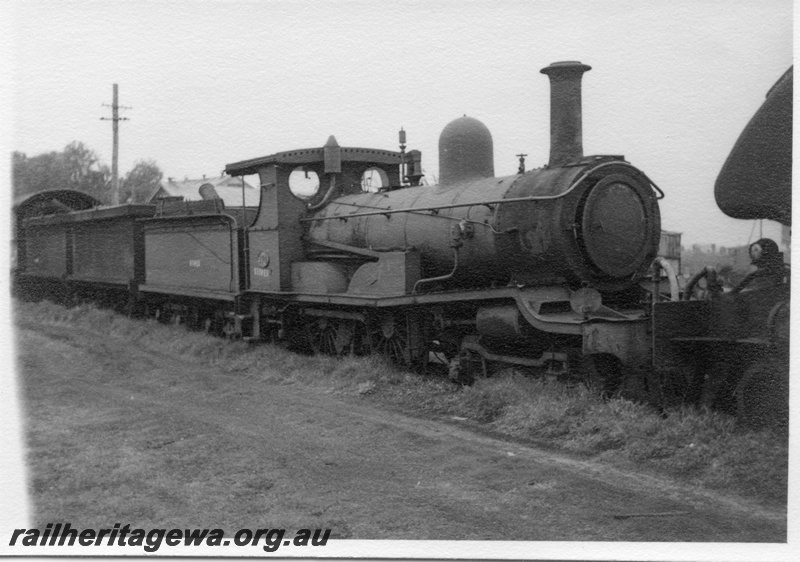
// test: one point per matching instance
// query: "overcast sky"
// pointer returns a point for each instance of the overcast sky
(673, 82)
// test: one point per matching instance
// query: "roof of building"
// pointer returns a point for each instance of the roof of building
(227, 187)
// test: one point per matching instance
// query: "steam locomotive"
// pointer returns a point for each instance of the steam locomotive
(731, 350)
(543, 270)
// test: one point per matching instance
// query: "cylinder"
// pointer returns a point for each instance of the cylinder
(499, 321)
(566, 128)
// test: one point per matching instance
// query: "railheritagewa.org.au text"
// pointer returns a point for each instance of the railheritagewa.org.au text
(63, 534)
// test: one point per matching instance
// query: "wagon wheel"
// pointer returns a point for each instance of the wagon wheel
(270, 332)
(133, 307)
(331, 336)
(194, 318)
(163, 315)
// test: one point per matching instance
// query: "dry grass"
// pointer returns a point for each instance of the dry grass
(701, 447)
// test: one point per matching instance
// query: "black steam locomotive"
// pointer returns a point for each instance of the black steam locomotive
(543, 269)
(731, 350)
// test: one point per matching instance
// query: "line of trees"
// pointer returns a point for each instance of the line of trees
(78, 167)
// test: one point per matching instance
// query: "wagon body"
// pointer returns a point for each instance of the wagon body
(193, 256)
(107, 245)
(45, 247)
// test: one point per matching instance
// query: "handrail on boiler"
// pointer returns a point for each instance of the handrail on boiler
(490, 201)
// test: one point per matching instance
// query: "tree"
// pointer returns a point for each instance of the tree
(39, 173)
(86, 173)
(77, 167)
(143, 179)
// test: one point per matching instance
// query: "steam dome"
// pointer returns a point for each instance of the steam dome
(465, 151)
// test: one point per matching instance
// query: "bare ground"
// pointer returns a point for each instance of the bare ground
(119, 433)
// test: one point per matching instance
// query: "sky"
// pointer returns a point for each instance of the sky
(672, 84)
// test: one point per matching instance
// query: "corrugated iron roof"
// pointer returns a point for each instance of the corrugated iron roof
(228, 188)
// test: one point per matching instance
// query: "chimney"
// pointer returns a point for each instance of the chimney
(207, 192)
(566, 131)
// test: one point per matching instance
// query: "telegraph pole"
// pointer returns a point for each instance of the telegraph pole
(115, 119)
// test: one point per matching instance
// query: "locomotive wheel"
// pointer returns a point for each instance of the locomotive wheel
(467, 366)
(762, 395)
(389, 337)
(330, 336)
(398, 338)
(601, 374)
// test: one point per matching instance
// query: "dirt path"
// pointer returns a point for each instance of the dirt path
(118, 433)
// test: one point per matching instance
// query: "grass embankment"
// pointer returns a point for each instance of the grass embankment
(699, 447)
